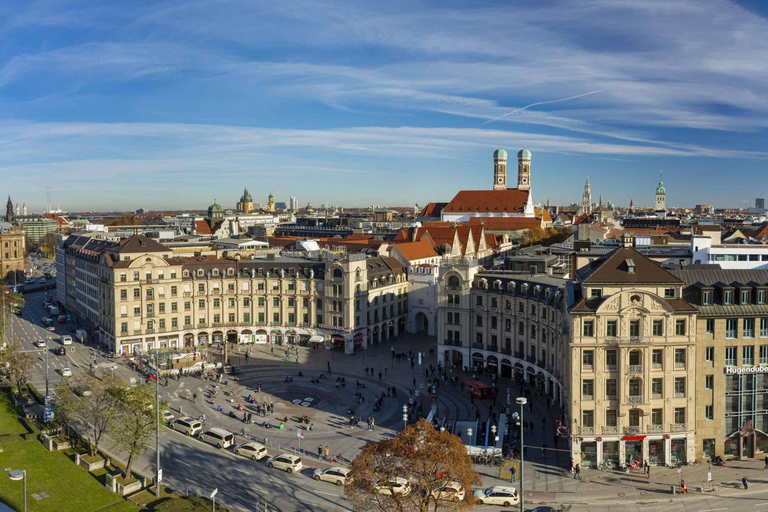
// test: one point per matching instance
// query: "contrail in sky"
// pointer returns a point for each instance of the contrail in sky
(539, 103)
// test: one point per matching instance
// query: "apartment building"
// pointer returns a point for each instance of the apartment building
(137, 296)
(632, 361)
(504, 324)
(732, 359)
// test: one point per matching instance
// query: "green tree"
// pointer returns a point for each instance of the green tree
(96, 412)
(136, 421)
(429, 459)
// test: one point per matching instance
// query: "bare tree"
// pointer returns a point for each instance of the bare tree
(97, 410)
(18, 364)
(136, 421)
(427, 458)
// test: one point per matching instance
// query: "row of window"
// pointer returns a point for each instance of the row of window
(217, 319)
(635, 330)
(635, 388)
(635, 358)
(612, 417)
(731, 354)
(728, 297)
(732, 327)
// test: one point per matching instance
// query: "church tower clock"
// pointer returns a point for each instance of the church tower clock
(500, 169)
(524, 169)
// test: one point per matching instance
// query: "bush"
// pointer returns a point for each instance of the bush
(198, 504)
(30, 425)
(36, 394)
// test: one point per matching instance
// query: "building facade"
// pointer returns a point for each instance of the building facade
(732, 359)
(504, 324)
(136, 296)
(632, 361)
(12, 253)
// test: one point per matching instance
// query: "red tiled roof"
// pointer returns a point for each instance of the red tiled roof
(418, 250)
(509, 201)
(202, 227)
(505, 223)
(432, 210)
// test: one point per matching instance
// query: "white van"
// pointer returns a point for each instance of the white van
(66, 340)
(218, 437)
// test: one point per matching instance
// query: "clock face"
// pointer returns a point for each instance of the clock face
(500, 179)
(524, 180)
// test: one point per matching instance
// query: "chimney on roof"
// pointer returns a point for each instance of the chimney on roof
(414, 230)
(627, 241)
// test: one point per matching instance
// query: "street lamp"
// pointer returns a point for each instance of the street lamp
(47, 345)
(469, 433)
(16, 475)
(405, 416)
(493, 430)
(157, 425)
(521, 401)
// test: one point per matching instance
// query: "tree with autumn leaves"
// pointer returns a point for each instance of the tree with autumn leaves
(428, 458)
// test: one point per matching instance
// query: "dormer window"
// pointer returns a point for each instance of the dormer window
(215, 272)
(728, 297)
(547, 294)
(230, 271)
(524, 288)
(200, 272)
(536, 290)
(630, 265)
(596, 293)
(511, 287)
(483, 284)
(745, 296)
(761, 296)
(497, 284)
(706, 297)
(185, 273)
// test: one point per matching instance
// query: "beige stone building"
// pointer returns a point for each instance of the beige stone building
(11, 253)
(631, 367)
(136, 296)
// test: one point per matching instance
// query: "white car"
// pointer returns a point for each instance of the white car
(286, 461)
(395, 486)
(66, 372)
(336, 475)
(40, 343)
(497, 495)
(253, 451)
(451, 491)
(167, 417)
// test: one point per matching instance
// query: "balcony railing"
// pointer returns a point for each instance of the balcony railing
(635, 429)
(587, 430)
(656, 428)
(657, 366)
(587, 398)
(587, 368)
(635, 368)
(635, 399)
(679, 394)
(679, 366)
(657, 396)
(611, 429)
(679, 427)
(629, 340)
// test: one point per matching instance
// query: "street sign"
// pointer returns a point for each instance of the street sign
(215, 492)
(48, 415)
(159, 475)
(299, 432)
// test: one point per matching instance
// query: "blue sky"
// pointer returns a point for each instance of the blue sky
(162, 105)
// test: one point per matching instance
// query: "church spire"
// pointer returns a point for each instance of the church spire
(9, 211)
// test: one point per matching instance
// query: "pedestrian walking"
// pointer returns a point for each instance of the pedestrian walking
(297, 359)
(570, 466)
(646, 467)
(327, 452)
(684, 488)
(766, 463)
(577, 471)
(373, 423)
(380, 375)
(648, 472)
(250, 415)
(203, 418)
(512, 474)
(194, 397)
(272, 351)
(319, 451)
(745, 482)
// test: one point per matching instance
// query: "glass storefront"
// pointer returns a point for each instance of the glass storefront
(589, 454)
(611, 452)
(656, 452)
(633, 452)
(677, 451)
(732, 446)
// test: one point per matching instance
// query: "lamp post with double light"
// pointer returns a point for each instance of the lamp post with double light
(469, 433)
(521, 401)
(405, 416)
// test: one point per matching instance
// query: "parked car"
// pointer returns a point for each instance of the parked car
(83, 391)
(42, 280)
(451, 491)
(66, 372)
(286, 461)
(60, 351)
(255, 451)
(47, 321)
(62, 319)
(189, 426)
(337, 475)
(167, 416)
(497, 495)
(395, 486)
(17, 312)
(40, 343)
(218, 437)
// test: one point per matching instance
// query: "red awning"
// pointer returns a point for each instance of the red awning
(336, 337)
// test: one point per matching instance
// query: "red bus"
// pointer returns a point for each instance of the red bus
(481, 390)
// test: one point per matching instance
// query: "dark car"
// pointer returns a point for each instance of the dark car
(543, 509)
(60, 351)
(17, 312)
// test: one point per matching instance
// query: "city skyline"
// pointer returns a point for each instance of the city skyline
(168, 106)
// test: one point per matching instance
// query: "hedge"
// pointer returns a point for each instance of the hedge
(36, 394)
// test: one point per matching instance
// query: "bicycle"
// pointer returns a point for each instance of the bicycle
(694, 462)
(605, 465)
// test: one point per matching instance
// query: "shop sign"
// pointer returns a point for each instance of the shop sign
(633, 438)
(731, 370)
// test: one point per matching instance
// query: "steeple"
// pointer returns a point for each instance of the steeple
(586, 199)
(500, 169)
(9, 211)
(661, 194)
